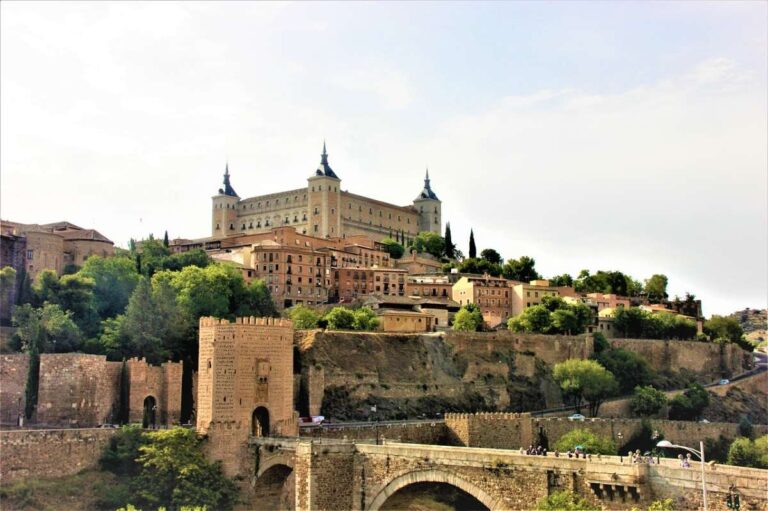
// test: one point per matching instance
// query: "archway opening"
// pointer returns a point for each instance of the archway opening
(260, 422)
(432, 496)
(275, 489)
(149, 418)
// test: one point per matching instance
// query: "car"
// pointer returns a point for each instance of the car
(576, 417)
(724, 381)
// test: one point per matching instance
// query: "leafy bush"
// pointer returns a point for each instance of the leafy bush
(689, 405)
(749, 453)
(565, 501)
(303, 318)
(468, 319)
(589, 442)
(647, 401)
(340, 318)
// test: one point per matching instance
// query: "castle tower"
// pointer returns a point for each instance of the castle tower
(429, 208)
(244, 385)
(224, 211)
(324, 205)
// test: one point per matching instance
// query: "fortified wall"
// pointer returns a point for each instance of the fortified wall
(50, 453)
(244, 384)
(412, 374)
(512, 430)
(80, 390)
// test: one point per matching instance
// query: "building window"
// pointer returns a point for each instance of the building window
(315, 227)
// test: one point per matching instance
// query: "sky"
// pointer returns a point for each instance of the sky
(628, 136)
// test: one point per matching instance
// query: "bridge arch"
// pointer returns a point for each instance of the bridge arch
(274, 486)
(434, 476)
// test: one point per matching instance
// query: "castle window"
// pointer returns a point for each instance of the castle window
(315, 226)
(217, 228)
(304, 217)
(258, 205)
(333, 211)
(243, 227)
(317, 211)
(209, 363)
(313, 188)
(250, 225)
(350, 205)
(267, 203)
(370, 211)
(231, 227)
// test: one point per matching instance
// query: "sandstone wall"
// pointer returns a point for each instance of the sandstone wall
(163, 383)
(77, 390)
(512, 431)
(50, 453)
(707, 360)
(13, 380)
(434, 433)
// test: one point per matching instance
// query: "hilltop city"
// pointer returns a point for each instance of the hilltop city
(324, 350)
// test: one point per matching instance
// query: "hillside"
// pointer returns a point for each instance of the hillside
(754, 322)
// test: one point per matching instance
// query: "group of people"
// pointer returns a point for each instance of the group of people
(637, 457)
(542, 451)
(685, 461)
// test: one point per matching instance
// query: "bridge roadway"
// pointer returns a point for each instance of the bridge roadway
(330, 474)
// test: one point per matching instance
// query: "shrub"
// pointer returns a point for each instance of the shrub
(589, 442)
(647, 401)
(565, 501)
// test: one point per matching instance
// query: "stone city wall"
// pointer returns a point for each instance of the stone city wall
(50, 453)
(435, 433)
(13, 379)
(512, 431)
(163, 383)
(77, 390)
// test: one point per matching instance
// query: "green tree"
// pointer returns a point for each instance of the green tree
(564, 321)
(746, 429)
(429, 242)
(564, 501)
(522, 270)
(393, 248)
(450, 248)
(304, 318)
(690, 404)
(661, 505)
(589, 442)
(724, 327)
(47, 329)
(533, 319)
(491, 255)
(561, 280)
(143, 326)
(174, 473)
(472, 247)
(656, 288)
(166, 243)
(114, 279)
(647, 401)
(629, 368)
(584, 380)
(340, 318)
(365, 320)
(749, 453)
(468, 319)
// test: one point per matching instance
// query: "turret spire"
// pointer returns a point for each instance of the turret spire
(324, 169)
(227, 190)
(427, 192)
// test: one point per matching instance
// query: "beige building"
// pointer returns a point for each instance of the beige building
(417, 263)
(607, 301)
(397, 320)
(324, 210)
(433, 285)
(54, 246)
(526, 295)
(490, 294)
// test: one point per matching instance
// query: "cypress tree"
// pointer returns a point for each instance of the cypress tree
(448, 241)
(165, 240)
(472, 247)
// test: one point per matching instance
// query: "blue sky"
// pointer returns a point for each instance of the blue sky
(605, 135)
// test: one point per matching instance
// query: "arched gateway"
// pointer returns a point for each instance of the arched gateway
(433, 476)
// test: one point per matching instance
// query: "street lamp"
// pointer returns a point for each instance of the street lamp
(700, 454)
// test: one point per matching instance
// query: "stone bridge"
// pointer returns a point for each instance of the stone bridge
(325, 474)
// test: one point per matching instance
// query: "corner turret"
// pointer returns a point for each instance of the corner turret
(324, 202)
(429, 208)
(224, 211)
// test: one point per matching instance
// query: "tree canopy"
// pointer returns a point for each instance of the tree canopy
(393, 248)
(522, 270)
(553, 316)
(749, 453)
(468, 319)
(647, 401)
(589, 442)
(584, 380)
(565, 501)
(429, 242)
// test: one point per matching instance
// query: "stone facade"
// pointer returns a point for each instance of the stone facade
(324, 210)
(37, 454)
(154, 386)
(245, 383)
(79, 390)
(13, 380)
(339, 474)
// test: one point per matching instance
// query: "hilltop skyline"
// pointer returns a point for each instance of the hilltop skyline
(620, 137)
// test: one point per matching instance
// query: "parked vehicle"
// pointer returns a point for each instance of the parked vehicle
(576, 417)
(725, 381)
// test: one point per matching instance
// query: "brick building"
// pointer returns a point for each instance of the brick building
(490, 294)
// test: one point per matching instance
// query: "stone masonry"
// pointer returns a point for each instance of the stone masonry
(245, 384)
